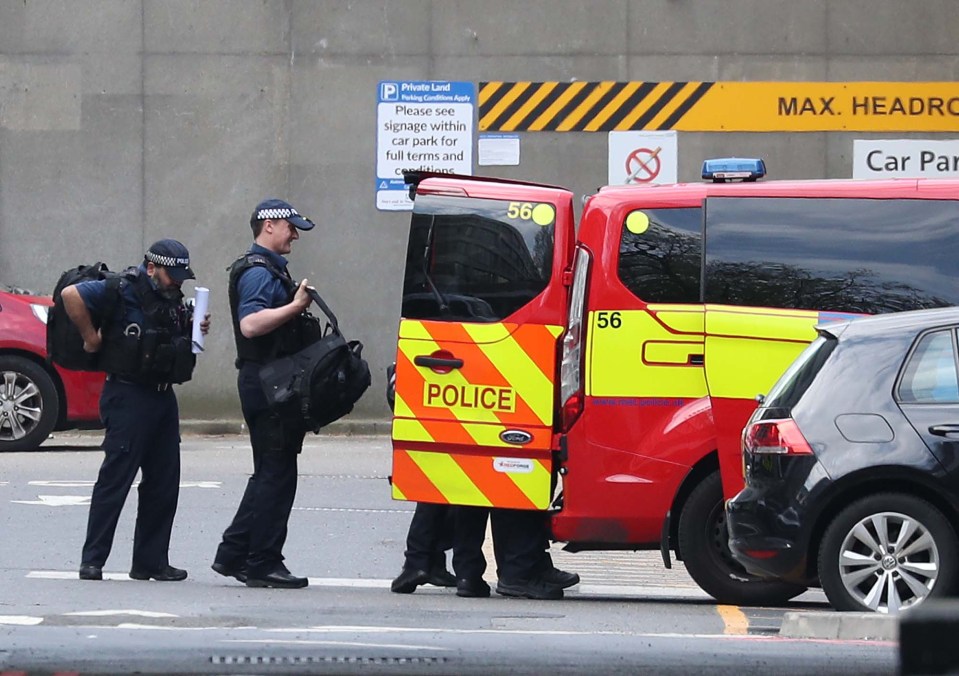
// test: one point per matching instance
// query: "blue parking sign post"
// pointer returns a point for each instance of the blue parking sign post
(423, 124)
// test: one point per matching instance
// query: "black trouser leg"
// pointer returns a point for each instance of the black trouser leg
(519, 540)
(272, 501)
(255, 538)
(159, 488)
(117, 472)
(469, 533)
(429, 536)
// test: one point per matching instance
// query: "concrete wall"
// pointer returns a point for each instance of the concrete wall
(124, 121)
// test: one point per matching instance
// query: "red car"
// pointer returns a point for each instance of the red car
(37, 397)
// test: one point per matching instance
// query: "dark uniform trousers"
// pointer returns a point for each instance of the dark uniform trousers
(430, 535)
(142, 433)
(254, 540)
(520, 539)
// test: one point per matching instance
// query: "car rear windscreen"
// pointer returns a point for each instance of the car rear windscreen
(791, 386)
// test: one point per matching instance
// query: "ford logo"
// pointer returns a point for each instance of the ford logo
(518, 437)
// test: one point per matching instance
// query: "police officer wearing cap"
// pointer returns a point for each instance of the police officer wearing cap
(144, 344)
(269, 321)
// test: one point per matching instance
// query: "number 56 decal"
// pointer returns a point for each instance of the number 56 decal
(611, 320)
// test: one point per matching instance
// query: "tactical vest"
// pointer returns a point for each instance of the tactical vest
(159, 351)
(286, 339)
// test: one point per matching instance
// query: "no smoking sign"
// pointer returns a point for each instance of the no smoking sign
(642, 157)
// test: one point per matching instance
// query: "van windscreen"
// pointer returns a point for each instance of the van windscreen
(476, 260)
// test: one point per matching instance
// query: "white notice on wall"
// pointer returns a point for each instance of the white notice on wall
(421, 125)
(498, 149)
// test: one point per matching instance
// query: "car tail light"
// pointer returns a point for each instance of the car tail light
(571, 363)
(775, 437)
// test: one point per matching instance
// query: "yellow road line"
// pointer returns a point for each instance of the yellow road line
(734, 620)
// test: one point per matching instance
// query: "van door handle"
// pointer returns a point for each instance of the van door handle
(944, 430)
(434, 362)
(697, 359)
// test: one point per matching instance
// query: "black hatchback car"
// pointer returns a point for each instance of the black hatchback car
(852, 465)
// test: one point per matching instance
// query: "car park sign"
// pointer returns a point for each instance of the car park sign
(426, 125)
(905, 158)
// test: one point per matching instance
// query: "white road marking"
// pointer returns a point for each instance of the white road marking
(89, 484)
(640, 591)
(107, 613)
(70, 575)
(63, 484)
(22, 620)
(57, 500)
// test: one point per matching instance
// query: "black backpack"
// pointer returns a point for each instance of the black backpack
(320, 383)
(64, 344)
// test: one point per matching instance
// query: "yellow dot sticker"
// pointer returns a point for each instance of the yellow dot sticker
(637, 222)
(543, 214)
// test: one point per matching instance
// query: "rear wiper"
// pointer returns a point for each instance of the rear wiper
(440, 299)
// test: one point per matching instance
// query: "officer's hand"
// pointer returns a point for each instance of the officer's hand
(302, 298)
(205, 324)
(92, 342)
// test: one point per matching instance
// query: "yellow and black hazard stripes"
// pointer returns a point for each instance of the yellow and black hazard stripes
(586, 106)
(479, 434)
(719, 106)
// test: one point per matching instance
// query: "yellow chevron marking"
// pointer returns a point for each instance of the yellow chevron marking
(534, 485)
(397, 493)
(400, 408)
(530, 383)
(600, 118)
(504, 103)
(449, 478)
(627, 122)
(409, 429)
(574, 117)
(557, 106)
(428, 345)
(541, 93)
(413, 330)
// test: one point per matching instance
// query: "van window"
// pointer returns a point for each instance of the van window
(846, 255)
(476, 260)
(930, 376)
(660, 254)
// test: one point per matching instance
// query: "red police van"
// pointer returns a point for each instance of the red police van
(605, 372)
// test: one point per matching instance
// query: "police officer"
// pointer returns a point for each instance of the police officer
(268, 322)
(520, 539)
(143, 343)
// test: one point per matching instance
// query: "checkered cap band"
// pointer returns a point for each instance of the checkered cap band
(166, 261)
(275, 214)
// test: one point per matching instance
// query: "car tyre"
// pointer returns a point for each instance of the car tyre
(704, 543)
(863, 565)
(29, 405)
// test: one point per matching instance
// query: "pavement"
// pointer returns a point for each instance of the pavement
(628, 573)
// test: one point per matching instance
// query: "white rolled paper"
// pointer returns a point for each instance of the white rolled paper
(201, 303)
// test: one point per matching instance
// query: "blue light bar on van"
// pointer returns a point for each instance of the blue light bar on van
(733, 169)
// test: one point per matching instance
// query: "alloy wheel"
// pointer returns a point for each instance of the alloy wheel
(889, 562)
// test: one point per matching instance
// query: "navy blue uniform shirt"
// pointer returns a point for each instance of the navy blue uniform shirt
(257, 289)
(94, 295)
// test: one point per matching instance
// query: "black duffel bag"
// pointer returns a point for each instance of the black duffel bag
(320, 383)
